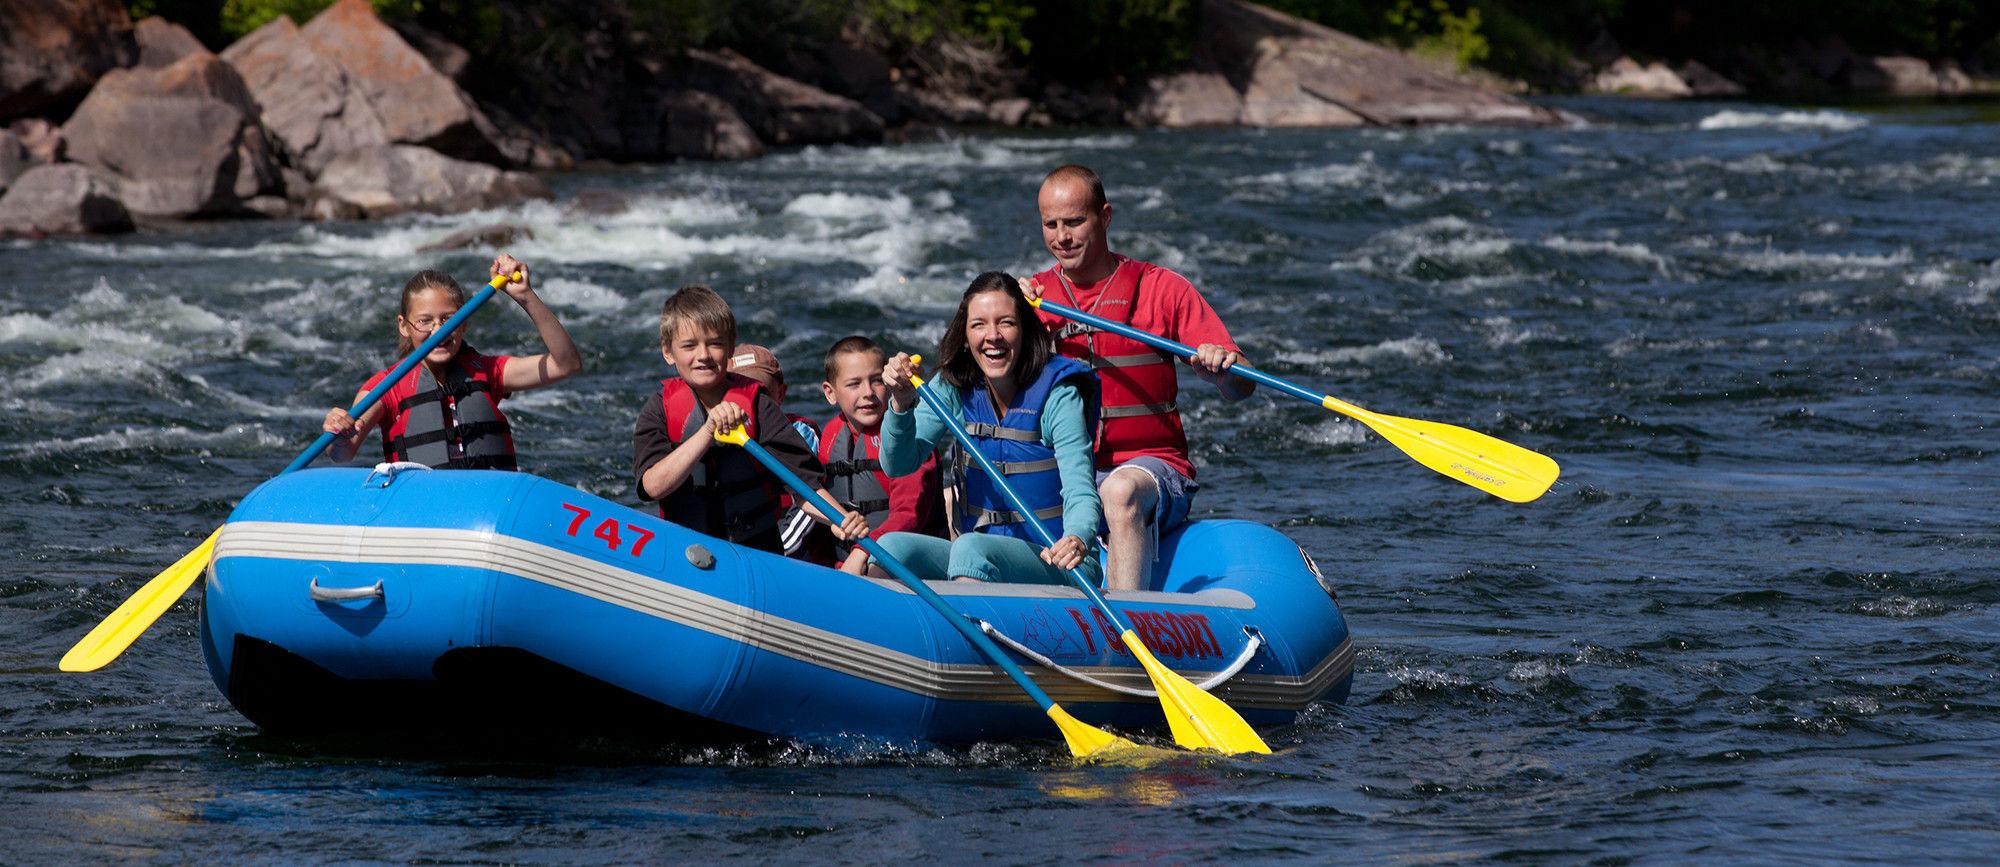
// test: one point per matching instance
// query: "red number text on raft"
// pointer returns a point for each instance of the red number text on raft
(607, 530)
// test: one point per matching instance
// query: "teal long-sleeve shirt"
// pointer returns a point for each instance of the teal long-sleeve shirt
(909, 437)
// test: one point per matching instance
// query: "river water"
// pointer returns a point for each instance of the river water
(1756, 620)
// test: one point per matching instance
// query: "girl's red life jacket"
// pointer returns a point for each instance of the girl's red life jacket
(456, 424)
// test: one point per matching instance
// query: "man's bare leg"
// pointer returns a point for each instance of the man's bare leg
(1129, 495)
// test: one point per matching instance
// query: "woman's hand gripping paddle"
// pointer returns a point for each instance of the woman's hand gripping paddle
(131, 619)
(1198, 720)
(1084, 740)
(1495, 466)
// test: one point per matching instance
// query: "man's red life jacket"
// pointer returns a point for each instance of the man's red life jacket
(1138, 383)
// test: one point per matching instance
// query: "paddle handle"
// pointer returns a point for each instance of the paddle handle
(979, 640)
(992, 472)
(397, 373)
(1184, 352)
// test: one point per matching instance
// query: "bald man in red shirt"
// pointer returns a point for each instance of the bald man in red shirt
(1144, 475)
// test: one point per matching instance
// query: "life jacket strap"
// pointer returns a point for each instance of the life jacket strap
(1111, 412)
(1015, 468)
(1099, 362)
(994, 431)
(853, 467)
(987, 517)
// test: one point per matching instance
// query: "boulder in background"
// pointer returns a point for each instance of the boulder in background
(1626, 76)
(781, 110)
(218, 157)
(162, 43)
(391, 179)
(1293, 72)
(416, 103)
(61, 200)
(309, 103)
(52, 51)
(1189, 99)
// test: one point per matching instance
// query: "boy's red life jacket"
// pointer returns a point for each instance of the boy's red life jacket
(1138, 385)
(728, 494)
(456, 425)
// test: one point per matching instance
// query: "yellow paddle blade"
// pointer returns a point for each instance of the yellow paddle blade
(126, 624)
(1198, 720)
(1495, 466)
(735, 437)
(1086, 740)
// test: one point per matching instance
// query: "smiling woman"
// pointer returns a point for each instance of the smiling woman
(1029, 412)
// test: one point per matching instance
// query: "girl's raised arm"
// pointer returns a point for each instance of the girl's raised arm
(534, 371)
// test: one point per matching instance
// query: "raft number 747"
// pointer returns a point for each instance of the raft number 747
(607, 530)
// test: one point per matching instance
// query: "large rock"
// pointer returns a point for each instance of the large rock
(60, 200)
(52, 51)
(178, 141)
(417, 104)
(310, 104)
(1890, 76)
(781, 110)
(1626, 76)
(13, 159)
(697, 125)
(1293, 72)
(1189, 99)
(391, 179)
(163, 43)
(1706, 82)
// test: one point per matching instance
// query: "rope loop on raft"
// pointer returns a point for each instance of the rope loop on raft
(1243, 658)
(388, 470)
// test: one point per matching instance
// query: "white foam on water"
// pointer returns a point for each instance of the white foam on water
(1426, 677)
(1535, 671)
(1826, 119)
(1502, 332)
(582, 296)
(173, 438)
(1419, 349)
(849, 206)
(1639, 253)
(1350, 175)
(1335, 432)
(1845, 265)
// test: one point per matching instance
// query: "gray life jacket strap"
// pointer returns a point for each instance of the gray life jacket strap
(1006, 516)
(1138, 410)
(994, 431)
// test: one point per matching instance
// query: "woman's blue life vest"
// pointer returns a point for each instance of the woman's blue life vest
(1014, 445)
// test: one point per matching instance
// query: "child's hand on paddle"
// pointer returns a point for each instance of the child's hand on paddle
(851, 527)
(338, 423)
(725, 417)
(896, 374)
(518, 287)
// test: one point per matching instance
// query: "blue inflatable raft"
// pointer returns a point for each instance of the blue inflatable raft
(345, 600)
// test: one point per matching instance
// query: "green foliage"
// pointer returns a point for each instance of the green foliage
(242, 16)
(1441, 27)
(996, 23)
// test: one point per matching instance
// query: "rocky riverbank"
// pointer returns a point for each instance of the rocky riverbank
(114, 124)
(111, 124)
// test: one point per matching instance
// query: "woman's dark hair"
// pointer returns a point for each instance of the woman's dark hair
(956, 364)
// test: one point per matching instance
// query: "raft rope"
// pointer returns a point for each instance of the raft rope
(388, 470)
(1243, 658)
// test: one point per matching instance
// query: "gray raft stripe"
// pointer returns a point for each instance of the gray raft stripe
(634, 591)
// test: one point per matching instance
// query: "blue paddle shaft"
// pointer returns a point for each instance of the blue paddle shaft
(396, 375)
(1178, 349)
(1014, 499)
(904, 575)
